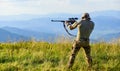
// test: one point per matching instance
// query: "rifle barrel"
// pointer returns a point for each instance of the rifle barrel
(57, 20)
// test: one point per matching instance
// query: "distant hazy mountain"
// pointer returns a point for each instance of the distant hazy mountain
(106, 22)
(105, 25)
(31, 34)
(6, 36)
(110, 37)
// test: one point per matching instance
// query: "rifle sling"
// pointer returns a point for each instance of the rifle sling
(68, 31)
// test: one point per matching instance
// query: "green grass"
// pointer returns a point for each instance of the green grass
(44, 56)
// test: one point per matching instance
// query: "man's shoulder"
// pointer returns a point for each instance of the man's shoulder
(86, 21)
(91, 22)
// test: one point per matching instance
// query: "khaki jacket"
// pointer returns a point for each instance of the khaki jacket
(85, 27)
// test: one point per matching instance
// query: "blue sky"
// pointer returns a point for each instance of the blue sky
(16, 7)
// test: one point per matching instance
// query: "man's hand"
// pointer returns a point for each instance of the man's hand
(67, 23)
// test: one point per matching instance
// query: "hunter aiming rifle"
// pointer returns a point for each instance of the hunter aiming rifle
(70, 20)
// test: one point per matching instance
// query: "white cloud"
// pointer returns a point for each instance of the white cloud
(10, 7)
(6, 8)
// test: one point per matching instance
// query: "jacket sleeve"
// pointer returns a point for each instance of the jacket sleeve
(73, 26)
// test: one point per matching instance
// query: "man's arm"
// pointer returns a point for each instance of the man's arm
(71, 26)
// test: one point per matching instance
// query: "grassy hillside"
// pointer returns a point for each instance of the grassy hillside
(43, 56)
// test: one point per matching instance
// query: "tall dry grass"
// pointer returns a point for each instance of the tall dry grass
(44, 56)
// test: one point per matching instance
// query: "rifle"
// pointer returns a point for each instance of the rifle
(70, 21)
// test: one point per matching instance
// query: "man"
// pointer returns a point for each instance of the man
(85, 27)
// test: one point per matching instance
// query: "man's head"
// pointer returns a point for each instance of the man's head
(86, 16)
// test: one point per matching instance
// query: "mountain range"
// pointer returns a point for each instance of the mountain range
(13, 33)
(40, 27)
(7, 36)
(110, 37)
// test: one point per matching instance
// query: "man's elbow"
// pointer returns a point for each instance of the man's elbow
(71, 28)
